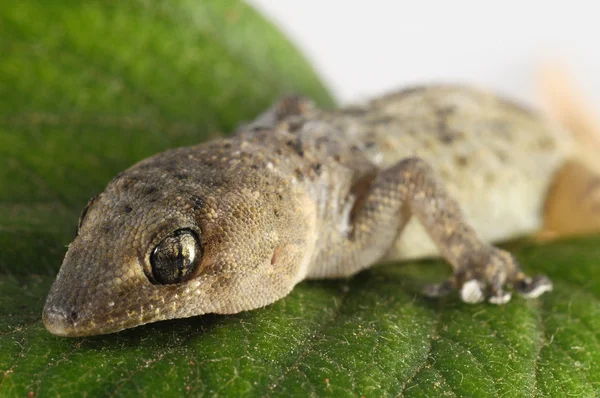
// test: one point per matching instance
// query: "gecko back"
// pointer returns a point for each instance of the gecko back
(496, 158)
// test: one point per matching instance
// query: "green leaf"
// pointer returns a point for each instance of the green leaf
(88, 88)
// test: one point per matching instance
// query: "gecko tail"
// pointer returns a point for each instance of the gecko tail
(569, 106)
(573, 202)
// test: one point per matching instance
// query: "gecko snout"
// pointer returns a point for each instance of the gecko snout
(64, 316)
(63, 319)
(58, 321)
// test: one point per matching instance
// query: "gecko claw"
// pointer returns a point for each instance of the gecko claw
(532, 288)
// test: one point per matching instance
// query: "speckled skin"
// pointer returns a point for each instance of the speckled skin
(303, 193)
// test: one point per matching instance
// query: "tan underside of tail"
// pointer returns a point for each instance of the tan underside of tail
(573, 202)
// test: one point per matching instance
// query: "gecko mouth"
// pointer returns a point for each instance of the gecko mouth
(62, 318)
(67, 325)
(85, 313)
(71, 323)
(76, 314)
(71, 320)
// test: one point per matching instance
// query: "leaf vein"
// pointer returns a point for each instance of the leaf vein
(426, 359)
(309, 345)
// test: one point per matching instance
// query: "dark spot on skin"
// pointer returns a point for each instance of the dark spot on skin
(355, 148)
(449, 137)
(291, 105)
(259, 128)
(445, 111)
(317, 168)
(502, 156)
(255, 167)
(446, 138)
(381, 120)
(547, 143)
(337, 158)
(197, 202)
(370, 145)
(295, 125)
(217, 182)
(322, 142)
(181, 176)
(276, 213)
(73, 316)
(127, 182)
(427, 143)
(127, 209)
(227, 145)
(150, 190)
(296, 145)
(461, 161)
(446, 135)
(354, 111)
(299, 174)
(146, 166)
(279, 196)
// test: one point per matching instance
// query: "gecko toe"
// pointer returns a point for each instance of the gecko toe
(472, 291)
(500, 297)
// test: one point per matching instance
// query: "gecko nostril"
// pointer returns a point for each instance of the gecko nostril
(56, 321)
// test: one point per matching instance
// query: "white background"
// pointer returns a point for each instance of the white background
(366, 47)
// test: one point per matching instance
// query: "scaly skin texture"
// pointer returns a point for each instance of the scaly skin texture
(303, 193)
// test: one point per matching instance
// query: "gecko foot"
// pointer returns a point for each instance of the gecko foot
(481, 279)
(434, 290)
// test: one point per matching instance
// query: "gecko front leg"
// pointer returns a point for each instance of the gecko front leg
(410, 188)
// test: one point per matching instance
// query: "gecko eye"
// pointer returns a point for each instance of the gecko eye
(176, 258)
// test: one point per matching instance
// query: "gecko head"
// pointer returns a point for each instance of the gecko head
(166, 240)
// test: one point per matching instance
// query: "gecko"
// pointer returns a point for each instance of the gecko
(301, 193)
